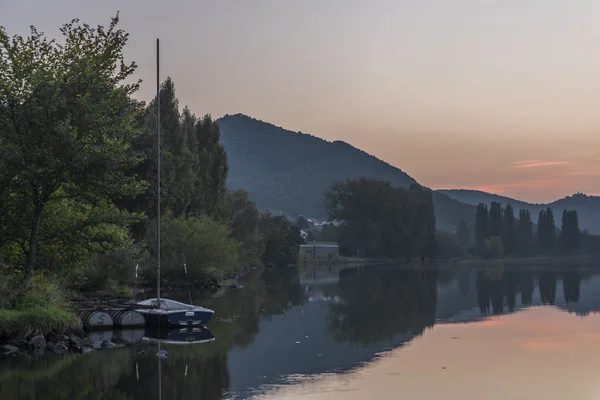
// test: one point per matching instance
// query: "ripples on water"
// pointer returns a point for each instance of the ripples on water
(464, 331)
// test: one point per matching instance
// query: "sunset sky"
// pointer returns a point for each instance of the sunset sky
(497, 95)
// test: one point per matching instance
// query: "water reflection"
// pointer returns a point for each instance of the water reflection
(289, 325)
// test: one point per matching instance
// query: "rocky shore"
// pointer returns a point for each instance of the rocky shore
(60, 344)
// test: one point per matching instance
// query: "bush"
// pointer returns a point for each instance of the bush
(202, 243)
(111, 271)
(42, 292)
(448, 245)
(493, 247)
(37, 320)
(38, 309)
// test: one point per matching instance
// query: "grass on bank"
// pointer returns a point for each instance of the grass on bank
(37, 320)
(39, 309)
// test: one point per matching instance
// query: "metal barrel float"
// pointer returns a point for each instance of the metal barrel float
(100, 336)
(126, 318)
(95, 319)
(130, 336)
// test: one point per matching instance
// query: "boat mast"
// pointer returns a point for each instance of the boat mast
(158, 174)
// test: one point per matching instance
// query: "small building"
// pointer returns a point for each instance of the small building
(319, 251)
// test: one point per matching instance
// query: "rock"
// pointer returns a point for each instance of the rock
(86, 350)
(97, 345)
(19, 343)
(37, 342)
(8, 350)
(60, 348)
(107, 344)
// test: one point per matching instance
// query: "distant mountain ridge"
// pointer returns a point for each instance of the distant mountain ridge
(288, 172)
(588, 207)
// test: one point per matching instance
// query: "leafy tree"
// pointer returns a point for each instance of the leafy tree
(302, 223)
(282, 240)
(496, 220)
(462, 233)
(381, 220)
(244, 221)
(546, 238)
(525, 233)
(570, 235)
(66, 124)
(212, 169)
(448, 245)
(508, 233)
(481, 226)
(203, 243)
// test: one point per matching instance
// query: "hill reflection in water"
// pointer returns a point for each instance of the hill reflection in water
(293, 326)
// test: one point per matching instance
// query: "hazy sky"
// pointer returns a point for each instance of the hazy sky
(499, 95)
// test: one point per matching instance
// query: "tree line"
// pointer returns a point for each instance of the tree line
(78, 171)
(381, 220)
(498, 232)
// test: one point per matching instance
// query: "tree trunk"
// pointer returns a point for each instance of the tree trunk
(33, 244)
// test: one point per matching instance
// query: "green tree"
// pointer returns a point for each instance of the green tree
(570, 234)
(546, 238)
(381, 220)
(509, 237)
(525, 233)
(496, 219)
(244, 220)
(282, 240)
(462, 233)
(481, 226)
(302, 223)
(66, 125)
(212, 169)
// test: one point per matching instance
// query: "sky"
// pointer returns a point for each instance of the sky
(495, 95)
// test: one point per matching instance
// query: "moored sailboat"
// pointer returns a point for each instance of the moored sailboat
(159, 311)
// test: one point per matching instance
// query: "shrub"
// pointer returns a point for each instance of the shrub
(108, 272)
(202, 243)
(37, 320)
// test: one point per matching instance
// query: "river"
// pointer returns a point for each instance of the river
(491, 330)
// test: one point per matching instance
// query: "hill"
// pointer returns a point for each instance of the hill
(288, 172)
(588, 207)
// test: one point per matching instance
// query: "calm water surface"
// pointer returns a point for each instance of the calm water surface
(465, 331)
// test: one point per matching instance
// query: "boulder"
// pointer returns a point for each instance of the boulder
(60, 347)
(19, 343)
(37, 342)
(8, 350)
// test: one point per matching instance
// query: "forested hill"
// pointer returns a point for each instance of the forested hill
(587, 207)
(288, 172)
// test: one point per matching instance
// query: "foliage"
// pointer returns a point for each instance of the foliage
(481, 225)
(244, 221)
(448, 245)
(524, 245)
(66, 124)
(287, 172)
(282, 240)
(462, 233)
(203, 243)
(570, 235)
(381, 220)
(37, 320)
(194, 163)
(546, 235)
(38, 308)
(107, 272)
(493, 247)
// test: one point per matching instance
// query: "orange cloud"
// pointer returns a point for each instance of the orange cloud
(537, 163)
